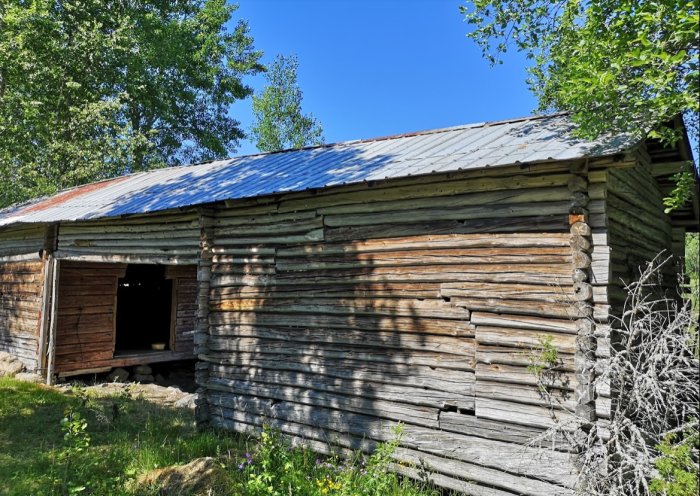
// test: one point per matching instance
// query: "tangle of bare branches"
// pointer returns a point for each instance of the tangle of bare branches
(652, 376)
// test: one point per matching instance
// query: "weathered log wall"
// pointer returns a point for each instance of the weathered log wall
(22, 274)
(21, 290)
(629, 230)
(338, 314)
(22, 242)
(163, 237)
(638, 229)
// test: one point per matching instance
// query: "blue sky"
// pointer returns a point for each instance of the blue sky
(374, 68)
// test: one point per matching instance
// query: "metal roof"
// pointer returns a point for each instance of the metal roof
(518, 141)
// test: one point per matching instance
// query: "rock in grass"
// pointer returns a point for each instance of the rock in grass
(187, 401)
(142, 378)
(200, 476)
(143, 370)
(9, 365)
(27, 377)
(118, 375)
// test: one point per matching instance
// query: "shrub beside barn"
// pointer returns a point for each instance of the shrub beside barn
(335, 291)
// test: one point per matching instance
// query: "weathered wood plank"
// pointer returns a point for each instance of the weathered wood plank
(358, 306)
(524, 322)
(261, 338)
(528, 415)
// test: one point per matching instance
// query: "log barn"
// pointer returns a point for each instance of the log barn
(335, 291)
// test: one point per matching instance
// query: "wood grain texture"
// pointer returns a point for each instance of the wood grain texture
(21, 297)
(338, 314)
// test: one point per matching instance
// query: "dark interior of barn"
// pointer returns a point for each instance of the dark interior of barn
(144, 310)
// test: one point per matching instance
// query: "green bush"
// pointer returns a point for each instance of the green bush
(678, 464)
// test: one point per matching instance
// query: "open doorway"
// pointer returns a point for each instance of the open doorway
(144, 311)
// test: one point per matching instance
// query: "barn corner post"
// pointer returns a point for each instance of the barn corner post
(47, 325)
(581, 246)
(201, 336)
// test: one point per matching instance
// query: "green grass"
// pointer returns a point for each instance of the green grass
(113, 440)
(143, 436)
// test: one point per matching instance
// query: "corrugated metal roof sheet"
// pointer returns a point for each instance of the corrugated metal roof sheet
(475, 146)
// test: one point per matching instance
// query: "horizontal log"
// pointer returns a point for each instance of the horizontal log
(154, 231)
(523, 307)
(140, 258)
(282, 227)
(259, 216)
(496, 479)
(341, 289)
(139, 243)
(521, 375)
(525, 339)
(22, 267)
(527, 415)
(273, 238)
(557, 399)
(394, 325)
(422, 257)
(522, 273)
(19, 326)
(334, 306)
(523, 322)
(235, 337)
(447, 482)
(531, 224)
(453, 201)
(11, 278)
(414, 414)
(366, 389)
(430, 242)
(136, 223)
(291, 353)
(413, 375)
(534, 292)
(499, 354)
(469, 213)
(10, 254)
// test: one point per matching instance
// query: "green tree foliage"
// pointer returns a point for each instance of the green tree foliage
(617, 65)
(278, 120)
(92, 89)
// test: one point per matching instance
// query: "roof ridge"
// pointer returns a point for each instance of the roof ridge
(403, 135)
